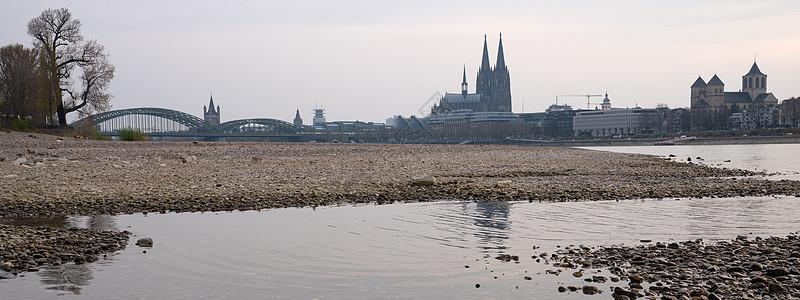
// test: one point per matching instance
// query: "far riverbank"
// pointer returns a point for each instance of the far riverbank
(735, 140)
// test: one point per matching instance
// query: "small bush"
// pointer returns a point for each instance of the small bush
(130, 134)
(21, 125)
(89, 130)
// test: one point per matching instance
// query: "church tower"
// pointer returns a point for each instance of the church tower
(211, 115)
(483, 84)
(698, 93)
(501, 85)
(754, 82)
(298, 122)
(715, 92)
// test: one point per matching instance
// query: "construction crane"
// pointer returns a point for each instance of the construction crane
(588, 97)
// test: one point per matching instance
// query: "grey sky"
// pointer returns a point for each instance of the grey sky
(368, 60)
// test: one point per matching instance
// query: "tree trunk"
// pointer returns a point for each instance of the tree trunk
(62, 115)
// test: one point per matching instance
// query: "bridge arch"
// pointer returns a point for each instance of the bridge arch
(193, 123)
(261, 125)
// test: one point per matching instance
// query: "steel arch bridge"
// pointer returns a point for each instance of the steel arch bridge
(193, 123)
(261, 124)
(150, 118)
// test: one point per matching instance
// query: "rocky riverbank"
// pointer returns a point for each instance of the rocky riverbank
(757, 268)
(25, 249)
(44, 175)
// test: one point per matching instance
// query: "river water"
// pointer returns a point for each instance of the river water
(417, 250)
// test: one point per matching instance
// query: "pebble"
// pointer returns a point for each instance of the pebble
(423, 180)
(25, 248)
(145, 242)
(688, 269)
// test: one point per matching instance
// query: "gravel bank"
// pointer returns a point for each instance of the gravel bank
(42, 175)
(25, 249)
(759, 268)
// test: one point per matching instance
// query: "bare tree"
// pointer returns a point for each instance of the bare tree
(64, 52)
(18, 81)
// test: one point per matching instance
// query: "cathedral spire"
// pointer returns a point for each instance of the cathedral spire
(485, 60)
(501, 60)
(464, 82)
(211, 105)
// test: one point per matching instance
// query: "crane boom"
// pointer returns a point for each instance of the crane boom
(588, 97)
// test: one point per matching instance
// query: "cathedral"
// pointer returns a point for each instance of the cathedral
(712, 94)
(492, 88)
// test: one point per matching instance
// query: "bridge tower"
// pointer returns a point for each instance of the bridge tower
(211, 115)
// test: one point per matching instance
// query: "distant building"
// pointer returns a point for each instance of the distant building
(211, 115)
(298, 122)
(615, 121)
(712, 106)
(606, 105)
(790, 113)
(557, 121)
(319, 117)
(493, 87)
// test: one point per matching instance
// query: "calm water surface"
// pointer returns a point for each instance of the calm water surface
(419, 250)
(781, 158)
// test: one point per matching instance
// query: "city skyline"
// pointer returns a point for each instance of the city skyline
(368, 61)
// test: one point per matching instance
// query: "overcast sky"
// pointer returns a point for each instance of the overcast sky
(369, 60)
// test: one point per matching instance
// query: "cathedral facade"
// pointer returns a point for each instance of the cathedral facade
(492, 88)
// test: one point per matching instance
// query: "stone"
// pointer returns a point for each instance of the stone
(188, 159)
(20, 160)
(424, 180)
(618, 291)
(776, 272)
(756, 267)
(589, 290)
(777, 288)
(7, 266)
(79, 259)
(503, 183)
(257, 160)
(31, 151)
(144, 242)
(10, 176)
(6, 275)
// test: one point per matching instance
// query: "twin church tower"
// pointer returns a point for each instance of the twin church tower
(492, 88)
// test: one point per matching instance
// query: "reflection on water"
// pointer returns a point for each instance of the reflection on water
(419, 250)
(55, 221)
(492, 222)
(66, 278)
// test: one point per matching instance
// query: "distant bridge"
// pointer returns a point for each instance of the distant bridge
(162, 122)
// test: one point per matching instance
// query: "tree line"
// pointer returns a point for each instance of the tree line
(62, 73)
